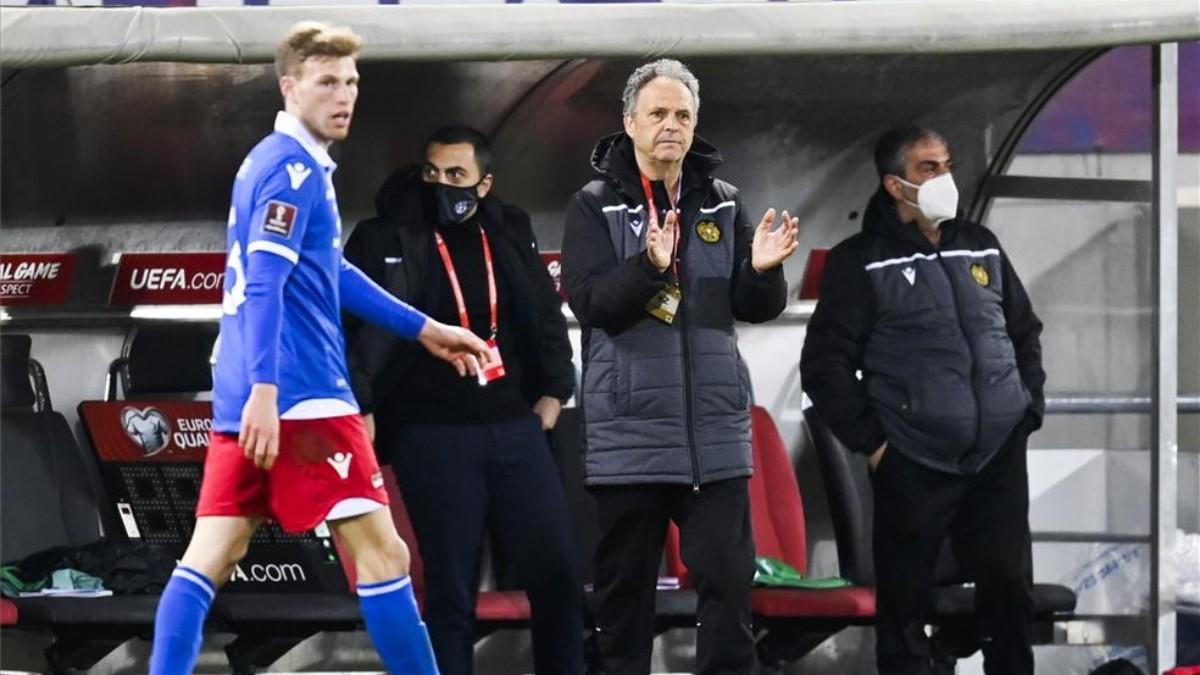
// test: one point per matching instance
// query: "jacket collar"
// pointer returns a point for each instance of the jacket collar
(613, 158)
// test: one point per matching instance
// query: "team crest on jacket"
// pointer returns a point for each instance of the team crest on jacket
(708, 231)
(980, 274)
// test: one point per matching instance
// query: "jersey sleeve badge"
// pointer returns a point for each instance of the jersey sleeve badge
(279, 218)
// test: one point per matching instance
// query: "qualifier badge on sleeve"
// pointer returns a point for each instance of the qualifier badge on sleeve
(665, 304)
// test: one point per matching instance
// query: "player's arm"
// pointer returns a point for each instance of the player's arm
(367, 300)
(266, 275)
(274, 235)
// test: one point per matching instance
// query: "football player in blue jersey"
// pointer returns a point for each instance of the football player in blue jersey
(287, 442)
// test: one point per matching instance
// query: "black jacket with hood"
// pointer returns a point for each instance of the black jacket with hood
(396, 249)
(944, 337)
(663, 403)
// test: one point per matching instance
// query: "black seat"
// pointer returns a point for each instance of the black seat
(163, 359)
(48, 501)
(1050, 601)
(48, 497)
(850, 505)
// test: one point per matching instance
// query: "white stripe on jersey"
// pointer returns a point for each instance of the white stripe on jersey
(271, 247)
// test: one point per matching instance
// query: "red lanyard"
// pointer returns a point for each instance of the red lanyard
(653, 216)
(458, 296)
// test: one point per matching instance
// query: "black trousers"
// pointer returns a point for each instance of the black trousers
(717, 545)
(454, 479)
(987, 519)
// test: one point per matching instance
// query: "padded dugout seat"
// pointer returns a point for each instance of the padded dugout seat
(8, 612)
(48, 501)
(163, 359)
(777, 514)
(850, 504)
(48, 496)
(506, 608)
(86, 630)
(1049, 600)
(790, 621)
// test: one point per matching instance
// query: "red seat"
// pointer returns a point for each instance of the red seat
(8, 612)
(777, 514)
(776, 508)
(785, 603)
(502, 606)
(777, 517)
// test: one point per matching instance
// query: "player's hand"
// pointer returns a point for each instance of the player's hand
(459, 346)
(548, 409)
(877, 456)
(259, 433)
(770, 248)
(369, 423)
(660, 242)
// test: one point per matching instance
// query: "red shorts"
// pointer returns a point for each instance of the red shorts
(321, 462)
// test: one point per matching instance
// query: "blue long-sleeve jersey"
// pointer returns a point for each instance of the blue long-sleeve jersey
(285, 282)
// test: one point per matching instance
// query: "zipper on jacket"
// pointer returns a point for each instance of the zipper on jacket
(688, 407)
(958, 314)
(689, 413)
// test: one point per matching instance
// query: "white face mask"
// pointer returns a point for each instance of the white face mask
(937, 198)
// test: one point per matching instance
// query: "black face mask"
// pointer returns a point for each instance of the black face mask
(450, 203)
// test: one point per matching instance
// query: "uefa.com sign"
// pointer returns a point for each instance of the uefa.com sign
(169, 279)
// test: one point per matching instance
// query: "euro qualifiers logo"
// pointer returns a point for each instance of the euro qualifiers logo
(149, 428)
(152, 430)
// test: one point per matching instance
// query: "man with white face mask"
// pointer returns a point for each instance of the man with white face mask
(927, 308)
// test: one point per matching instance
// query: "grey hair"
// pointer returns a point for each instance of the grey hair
(668, 68)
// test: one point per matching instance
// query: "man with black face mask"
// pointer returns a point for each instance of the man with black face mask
(924, 354)
(471, 453)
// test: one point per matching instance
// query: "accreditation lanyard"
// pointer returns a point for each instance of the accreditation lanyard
(653, 216)
(458, 296)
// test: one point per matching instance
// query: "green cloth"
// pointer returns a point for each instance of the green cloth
(74, 580)
(773, 572)
(12, 585)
